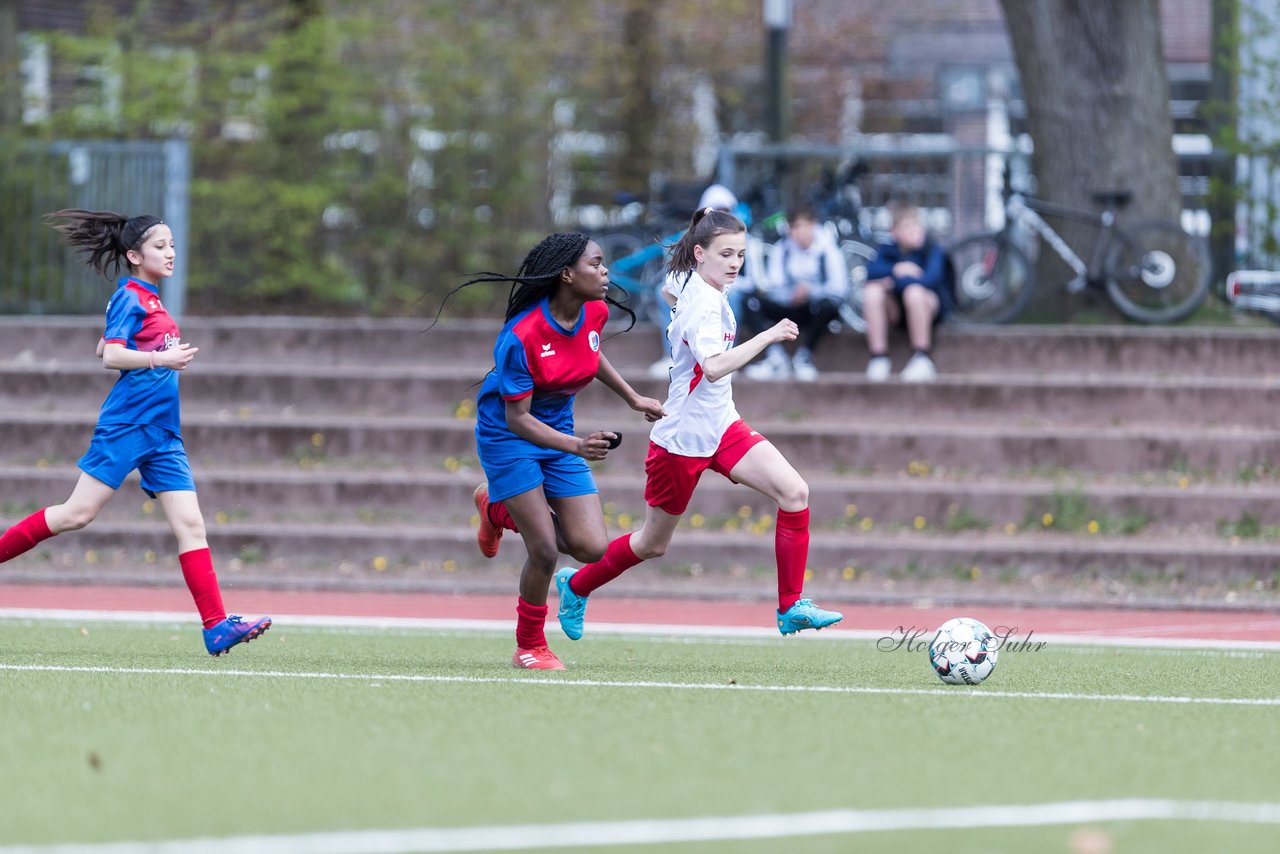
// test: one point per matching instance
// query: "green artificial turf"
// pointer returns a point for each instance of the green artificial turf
(113, 755)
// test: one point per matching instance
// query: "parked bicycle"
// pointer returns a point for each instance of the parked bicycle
(1153, 271)
(636, 257)
(637, 264)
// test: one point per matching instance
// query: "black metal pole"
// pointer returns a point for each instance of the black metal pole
(1222, 115)
(776, 119)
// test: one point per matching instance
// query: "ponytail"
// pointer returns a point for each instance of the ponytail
(706, 225)
(103, 237)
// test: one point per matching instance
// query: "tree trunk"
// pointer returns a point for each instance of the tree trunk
(641, 58)
(1097, 94)
(10, 82)
(1222, 113)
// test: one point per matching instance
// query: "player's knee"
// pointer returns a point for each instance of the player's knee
(589, 552)
(543, 556)
(794, 497)
(190, 527)
(74, 518)
(648, 551)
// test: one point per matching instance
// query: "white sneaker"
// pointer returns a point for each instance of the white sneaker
(878, 369)
(660, 369)
(802, 366)
(774, 366)
(919, 369)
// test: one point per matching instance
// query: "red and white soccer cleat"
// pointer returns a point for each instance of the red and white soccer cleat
(538, 658)
(489, 534)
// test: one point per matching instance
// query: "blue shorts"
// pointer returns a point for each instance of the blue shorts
(157, 454)
(560, 475)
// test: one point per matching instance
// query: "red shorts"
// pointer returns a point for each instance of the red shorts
(671, 478)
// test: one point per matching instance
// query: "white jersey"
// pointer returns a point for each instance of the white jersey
(698, 411)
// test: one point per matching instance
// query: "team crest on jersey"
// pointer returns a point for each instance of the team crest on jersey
(594, 340)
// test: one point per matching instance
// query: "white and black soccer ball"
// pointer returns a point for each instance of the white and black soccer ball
(964, 651)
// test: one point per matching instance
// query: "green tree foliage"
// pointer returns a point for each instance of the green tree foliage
(365, 157)
(1241, 111)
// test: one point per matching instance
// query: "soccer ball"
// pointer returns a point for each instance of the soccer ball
(963, 652)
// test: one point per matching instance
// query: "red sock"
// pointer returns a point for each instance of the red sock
(791, 544)
(499, 516)
(24, 536)
(618, 558)
(530, 620)
(202, 581)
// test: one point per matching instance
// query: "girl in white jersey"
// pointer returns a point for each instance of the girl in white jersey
(703, 430)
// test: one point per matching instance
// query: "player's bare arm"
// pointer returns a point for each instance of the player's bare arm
(594, 446)
(648, 406)
(117, 357)
(723, 364)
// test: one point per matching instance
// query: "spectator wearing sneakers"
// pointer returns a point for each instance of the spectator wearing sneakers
(907, 285)
(806, 282)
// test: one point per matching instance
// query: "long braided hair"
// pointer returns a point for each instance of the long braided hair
(103, 237)
(539, 274)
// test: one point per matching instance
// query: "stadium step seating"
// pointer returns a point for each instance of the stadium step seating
(1109, 461)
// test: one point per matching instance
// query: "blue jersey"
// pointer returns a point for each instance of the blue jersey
(136, 319)
(536, 356)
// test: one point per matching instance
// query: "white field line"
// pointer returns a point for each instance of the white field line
(183, 618)
(1062, 646)
(555, 682)
(710, 829)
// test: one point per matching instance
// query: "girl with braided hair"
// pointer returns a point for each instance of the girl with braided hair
(539, 484)
(703, 430)
(138, 426)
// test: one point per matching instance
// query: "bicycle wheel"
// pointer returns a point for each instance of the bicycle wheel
(856, 255)
(1156, 272)
(993, 279)
(629, 270)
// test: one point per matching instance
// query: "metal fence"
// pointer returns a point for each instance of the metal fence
(1257, 236)
(38, 275)
(958, 187)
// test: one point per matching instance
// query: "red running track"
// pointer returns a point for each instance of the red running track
(1249, 626)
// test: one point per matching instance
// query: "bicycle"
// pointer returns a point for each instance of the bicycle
(638, 265)
(1153, 271)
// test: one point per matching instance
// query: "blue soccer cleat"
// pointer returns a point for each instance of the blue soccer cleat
(222, 636)
(572, 606)
(806, 615)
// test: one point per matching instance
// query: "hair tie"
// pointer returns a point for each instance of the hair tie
(707, 210)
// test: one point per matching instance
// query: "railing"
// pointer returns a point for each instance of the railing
(959, 186)
(38, 275)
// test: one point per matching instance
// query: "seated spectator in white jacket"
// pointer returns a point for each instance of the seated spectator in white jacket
(806, 281)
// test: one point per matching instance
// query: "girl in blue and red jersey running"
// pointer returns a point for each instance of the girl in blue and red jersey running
(539, 484)
(703, 430)
(138, 427)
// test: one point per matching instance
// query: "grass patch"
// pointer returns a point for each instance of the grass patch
(436, 729)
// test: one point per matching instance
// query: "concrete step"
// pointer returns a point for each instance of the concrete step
(1079, 399)
(262, 341)
(294, 553)
(817, 448)
(945, 505)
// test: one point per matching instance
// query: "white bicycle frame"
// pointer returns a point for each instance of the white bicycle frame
(1023, 215)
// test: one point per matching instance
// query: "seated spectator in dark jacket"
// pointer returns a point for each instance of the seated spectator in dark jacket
(806, 281)
(907, 284)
